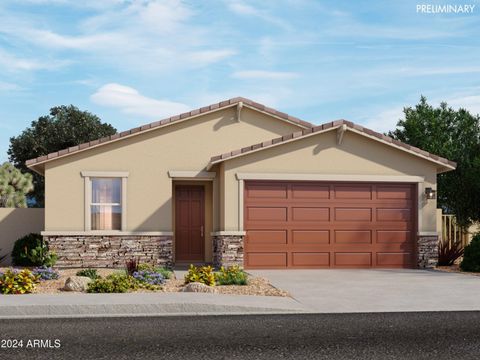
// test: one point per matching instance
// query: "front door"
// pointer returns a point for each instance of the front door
(189, 223)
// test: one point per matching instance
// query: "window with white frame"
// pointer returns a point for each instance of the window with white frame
(106, 204)
(105, 200)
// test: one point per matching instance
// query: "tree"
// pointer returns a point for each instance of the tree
(14, 186)
(65, 126)
(455, 135)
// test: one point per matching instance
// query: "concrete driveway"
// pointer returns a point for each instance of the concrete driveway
(336, 291)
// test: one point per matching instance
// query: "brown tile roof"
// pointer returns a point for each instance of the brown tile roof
(332, 125)
(172, 119)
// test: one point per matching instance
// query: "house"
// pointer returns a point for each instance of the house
(240, 183)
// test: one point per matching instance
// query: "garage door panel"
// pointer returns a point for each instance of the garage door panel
(394, 192)
(273, 259)
(310, 191)
(394, 259)
(353, 237)
(266, 237)
(267, 191)
(310, 214)
(394, 215)
(353, 214)
(320, 224)
(307, 237)
(311, 259)
(394, 236)
(267, 213)
(353, 259)
(353, 192)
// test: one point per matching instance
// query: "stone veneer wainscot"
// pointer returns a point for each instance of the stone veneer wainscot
(227, 250)
(111, 250)
(427, 251)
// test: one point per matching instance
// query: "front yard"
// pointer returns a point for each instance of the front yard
(256, 286)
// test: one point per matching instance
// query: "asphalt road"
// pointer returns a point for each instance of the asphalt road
(445, 335)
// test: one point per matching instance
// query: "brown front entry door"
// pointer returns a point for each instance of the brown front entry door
(189, 223)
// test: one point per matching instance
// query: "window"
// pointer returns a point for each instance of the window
(106, 204)
(105, 200)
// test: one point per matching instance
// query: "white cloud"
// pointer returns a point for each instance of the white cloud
(14, 63)
(384, 120)
(242, 8)
(209, 56)
(6, 86)
(262, 74)
(470, 103)
(145, 35)
(130, 101)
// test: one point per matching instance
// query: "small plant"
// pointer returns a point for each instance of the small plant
(131, 266)
(149, 277)
(448, 252)
(113, 283)
(471, 256)
(166, 273)
(31, 250)
(231, 275)
(204, 275)
(91, 273)
(17, 281)
(46, 273)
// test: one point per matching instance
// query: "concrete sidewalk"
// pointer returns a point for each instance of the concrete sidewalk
(141, 304)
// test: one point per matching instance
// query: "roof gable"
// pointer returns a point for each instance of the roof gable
(238, 101)
(339, 125)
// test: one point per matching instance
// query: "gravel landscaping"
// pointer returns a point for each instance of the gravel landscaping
(456, 269)
(256, 286)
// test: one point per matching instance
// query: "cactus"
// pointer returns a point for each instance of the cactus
(14, 186)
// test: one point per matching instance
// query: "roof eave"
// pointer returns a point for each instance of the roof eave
(38, 168)
(444, 166)
(177, 119)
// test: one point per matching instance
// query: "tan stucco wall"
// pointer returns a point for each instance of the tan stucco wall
(320, 154)
(148, 157)
(15, 223)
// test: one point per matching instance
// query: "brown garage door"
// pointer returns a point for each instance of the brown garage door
(319, 225)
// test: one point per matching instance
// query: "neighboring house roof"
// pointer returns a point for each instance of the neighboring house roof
(339, 125)
(171, 120)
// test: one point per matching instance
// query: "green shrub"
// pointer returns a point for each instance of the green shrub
(166, 273)
(91, 273)
(113, 283)
(17, 281)
(231, 275)
(204, 275)
(31, 250)
(471, 255)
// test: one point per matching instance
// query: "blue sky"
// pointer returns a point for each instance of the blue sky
(132, 62)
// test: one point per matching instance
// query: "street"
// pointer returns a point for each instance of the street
(434, 335)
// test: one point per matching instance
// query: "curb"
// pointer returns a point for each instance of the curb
(133, 310)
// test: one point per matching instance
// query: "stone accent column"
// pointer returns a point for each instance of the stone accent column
(427, 251)
(111, 251)
(227, 250)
